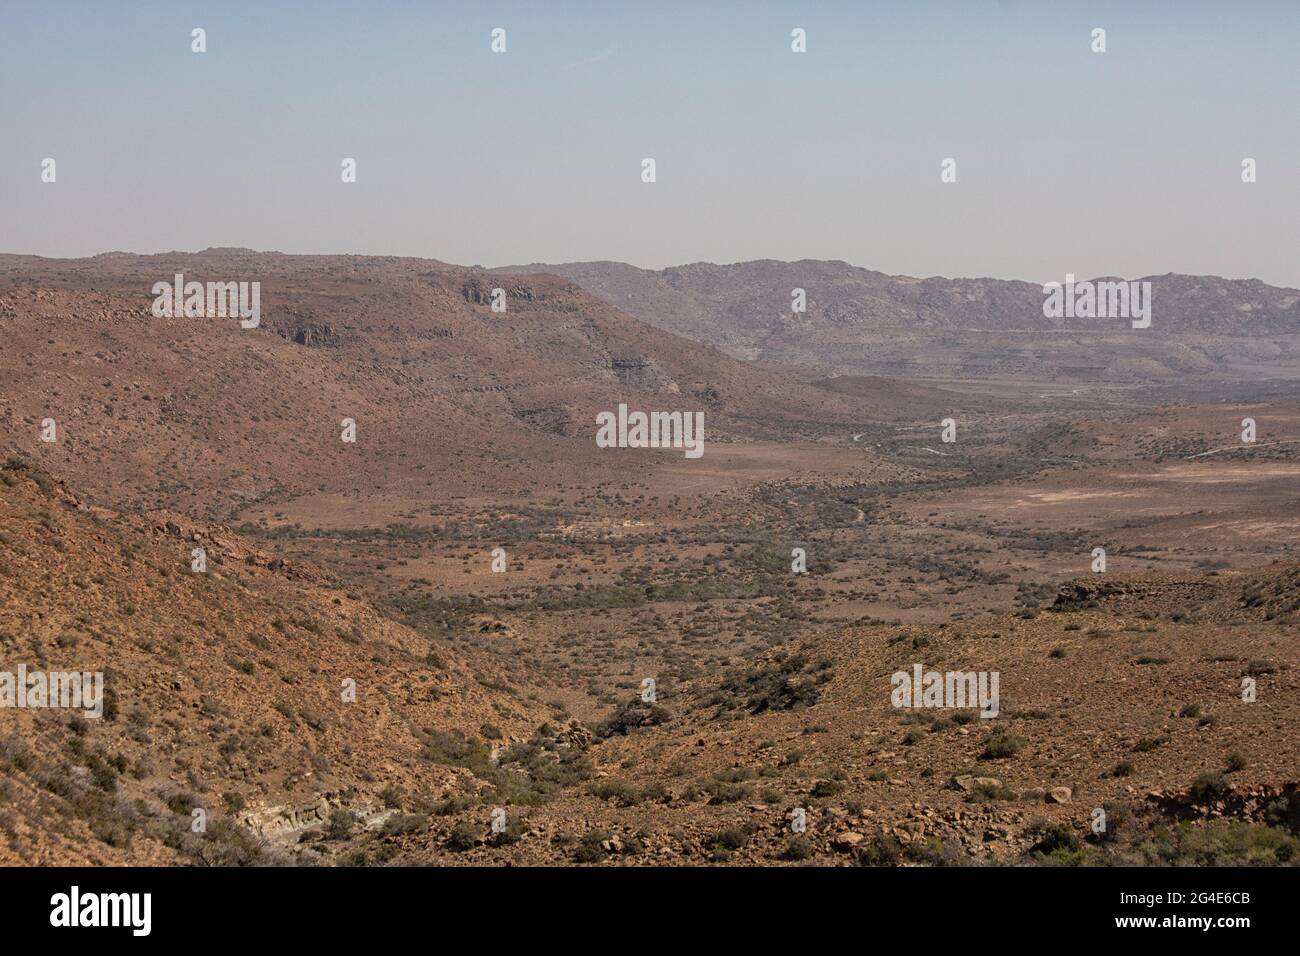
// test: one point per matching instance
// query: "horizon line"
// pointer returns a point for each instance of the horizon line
(540, 267)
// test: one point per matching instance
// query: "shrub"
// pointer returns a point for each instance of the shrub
(590, 849)
(1050, 838)
(464, 836)
(790, 683)
(1000, 745)
(632, 716)
(340, 824)
(988, 792)
(1208, 787)
(827, 788)
(731, 838)
(1223, 843)
(400, 823)
(799, 848)
(619, 791)
(452, 748)
(883, 850)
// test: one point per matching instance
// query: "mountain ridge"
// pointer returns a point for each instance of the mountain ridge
(860, 321)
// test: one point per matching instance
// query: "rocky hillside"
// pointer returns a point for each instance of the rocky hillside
(225, 691)
(203, 415)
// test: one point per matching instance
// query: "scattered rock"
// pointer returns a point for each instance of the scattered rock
(847, 840)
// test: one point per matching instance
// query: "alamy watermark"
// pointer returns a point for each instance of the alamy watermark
(952, 689)
(651, 430)
(68, 690)
(75, 908)
(1098, 300)
(211, 300)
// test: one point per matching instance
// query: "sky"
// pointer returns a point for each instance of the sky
(1127, 162)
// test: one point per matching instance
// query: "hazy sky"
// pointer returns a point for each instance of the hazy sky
(1127, 162)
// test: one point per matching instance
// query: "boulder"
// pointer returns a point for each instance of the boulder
(847, 840)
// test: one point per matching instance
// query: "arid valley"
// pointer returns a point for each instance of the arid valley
(461, 632)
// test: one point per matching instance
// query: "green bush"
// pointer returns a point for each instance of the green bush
(1001, 745)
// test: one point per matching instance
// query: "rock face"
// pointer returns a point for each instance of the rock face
(575, 735)
(280, 820)
(1077, 593)
(480, 293)
(318, 336)
(285, 821)
(1249, 802)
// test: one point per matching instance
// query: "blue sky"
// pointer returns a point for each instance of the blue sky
(1126, 162)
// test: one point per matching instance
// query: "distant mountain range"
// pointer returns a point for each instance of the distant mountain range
(860, 321)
